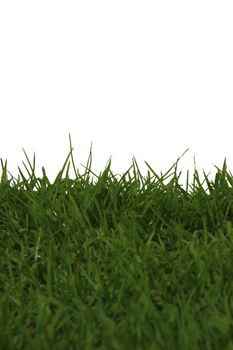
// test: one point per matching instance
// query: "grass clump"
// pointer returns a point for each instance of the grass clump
(128, 264)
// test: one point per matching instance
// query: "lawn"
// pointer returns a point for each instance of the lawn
(127, 263)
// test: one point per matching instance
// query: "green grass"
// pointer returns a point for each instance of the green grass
(127, 263)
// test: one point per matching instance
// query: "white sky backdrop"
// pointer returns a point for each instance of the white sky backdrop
(136, 78)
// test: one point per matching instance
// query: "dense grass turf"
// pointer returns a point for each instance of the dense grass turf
(116, 264)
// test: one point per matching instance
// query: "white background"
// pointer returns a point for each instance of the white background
(136, 78)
